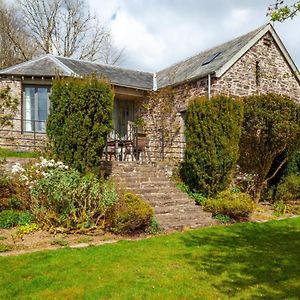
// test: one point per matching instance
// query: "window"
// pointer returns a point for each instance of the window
(257, 73)
(211, 58)
(36, 107)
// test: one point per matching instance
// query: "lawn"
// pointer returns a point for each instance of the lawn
(20, 154)
(243, 261)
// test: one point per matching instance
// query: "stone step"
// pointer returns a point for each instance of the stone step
(166, 221)
(182, 208)
(143, 185)
(173, 208)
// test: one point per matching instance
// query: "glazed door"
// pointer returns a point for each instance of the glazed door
(123, 116)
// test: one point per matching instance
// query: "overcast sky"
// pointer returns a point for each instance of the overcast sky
(158, 33)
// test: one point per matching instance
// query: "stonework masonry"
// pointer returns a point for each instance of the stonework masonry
(263, 69)
(15, 138)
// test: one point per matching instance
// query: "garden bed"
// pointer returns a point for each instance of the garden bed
(17, 244)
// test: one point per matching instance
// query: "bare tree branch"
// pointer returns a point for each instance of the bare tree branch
(67, 28)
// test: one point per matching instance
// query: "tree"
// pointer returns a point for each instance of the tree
(80, 120)
(63, 27)
(67, 28)
(8, 108)
(15, 45)
(270, 135)
(281, 12)
(213, 130)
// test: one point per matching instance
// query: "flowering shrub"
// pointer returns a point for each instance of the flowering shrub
(59, 196)
(32, 173)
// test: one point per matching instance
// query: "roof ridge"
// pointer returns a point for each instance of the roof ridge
(259, 29)
(101, 64)
(61, 64)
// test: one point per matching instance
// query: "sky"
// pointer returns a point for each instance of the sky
(158, 33)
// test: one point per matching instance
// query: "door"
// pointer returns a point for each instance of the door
(123, 116)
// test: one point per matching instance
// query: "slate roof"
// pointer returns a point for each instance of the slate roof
(50, 65)
(192, 67)
(224, 56)
(117, 75)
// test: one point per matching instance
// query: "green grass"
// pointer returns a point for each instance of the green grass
(4, 153)
(243, 261)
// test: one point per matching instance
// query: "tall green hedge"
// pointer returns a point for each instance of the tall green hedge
(80, 120)
(270, 136)
(213, 129)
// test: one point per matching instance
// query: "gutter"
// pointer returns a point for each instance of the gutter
(209, 85)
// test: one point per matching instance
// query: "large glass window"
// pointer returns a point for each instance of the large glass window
(36, 107)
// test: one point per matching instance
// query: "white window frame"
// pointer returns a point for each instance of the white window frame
(32, 125)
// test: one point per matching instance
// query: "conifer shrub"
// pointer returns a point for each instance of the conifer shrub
(80, 120)
(213, 130)
(270, 136)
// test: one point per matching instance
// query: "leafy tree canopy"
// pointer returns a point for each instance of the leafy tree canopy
(280, 11)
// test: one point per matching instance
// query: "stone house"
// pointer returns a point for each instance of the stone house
(256, 62)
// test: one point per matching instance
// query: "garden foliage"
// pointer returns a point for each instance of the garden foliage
(270, 135)
(80, 120)
(8, 107)
(288, 189)
(130, 214)
(213, 129)
(11, 218)
(61, 197)
(236, 205)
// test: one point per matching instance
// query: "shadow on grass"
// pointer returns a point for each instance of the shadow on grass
(259, 260)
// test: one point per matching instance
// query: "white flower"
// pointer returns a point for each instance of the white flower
(23, 177)
(17, 168)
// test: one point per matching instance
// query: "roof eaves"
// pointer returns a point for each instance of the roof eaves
(10, 69)
(237, 56)
(131, 86)
(197, 77)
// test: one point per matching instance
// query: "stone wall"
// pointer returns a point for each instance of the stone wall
(14, 138)
(164, 124)
(263, 69)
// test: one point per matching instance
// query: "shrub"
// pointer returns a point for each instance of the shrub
(270, 135)
(198, 197)
(5, 248)
(65, 198)
(28, 228)
(12, 218)
(80, 120)
(213, 129)
(235, 205)
(222, 218)
(288, 189)
(154, 227)
(8, 219)
(130, 214)
(5, 191)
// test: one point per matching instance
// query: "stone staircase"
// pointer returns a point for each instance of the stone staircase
(174, 210)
